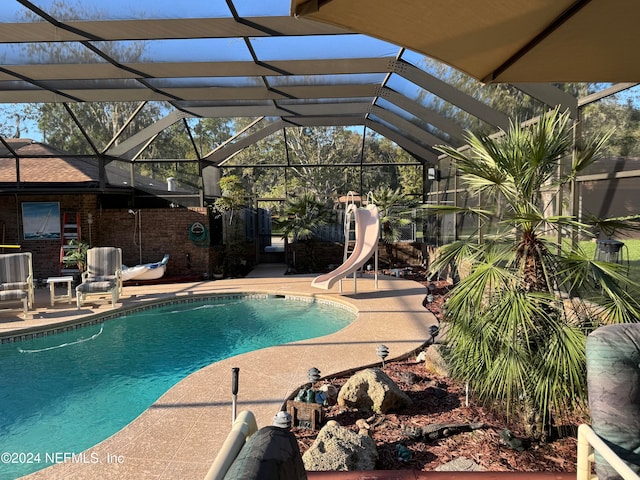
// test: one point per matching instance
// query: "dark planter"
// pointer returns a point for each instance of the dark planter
(609, 250)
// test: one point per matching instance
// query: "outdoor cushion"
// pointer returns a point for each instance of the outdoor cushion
(99, 278)
(13, 294)
(103, 261)
(613, 381)
(93, 287)
(14, 267)
(14, 286)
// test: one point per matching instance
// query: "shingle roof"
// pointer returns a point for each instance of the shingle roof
(41, 163)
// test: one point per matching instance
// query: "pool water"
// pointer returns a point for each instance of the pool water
(64, 393)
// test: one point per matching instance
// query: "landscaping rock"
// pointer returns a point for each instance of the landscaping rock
(460, 464)
(409, 378)
(339, 449)
(372, 390)
(434, 361)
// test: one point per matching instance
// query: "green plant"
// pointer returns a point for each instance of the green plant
(396, 211)
(233, 196)
(218, 268)
(76, 257)
(517, 324)
(615, 225)
(302, 217)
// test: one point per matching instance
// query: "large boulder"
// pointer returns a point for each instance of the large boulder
(372, 390)
(339, 449)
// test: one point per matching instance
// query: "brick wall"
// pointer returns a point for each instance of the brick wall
(163, 231)
(45, 253)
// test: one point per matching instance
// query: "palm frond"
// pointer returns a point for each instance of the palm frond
(585, 156)
(452, 209)
(560, 381)
(613, 225)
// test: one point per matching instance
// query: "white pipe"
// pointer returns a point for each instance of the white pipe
(244, 426)
(140, 235)
(138, 224)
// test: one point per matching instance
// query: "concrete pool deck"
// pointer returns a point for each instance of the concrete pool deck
(180, 434)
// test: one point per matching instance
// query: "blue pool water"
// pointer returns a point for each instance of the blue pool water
(64, 393)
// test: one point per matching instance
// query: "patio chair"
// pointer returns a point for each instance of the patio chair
(103, 274)
(16, 279)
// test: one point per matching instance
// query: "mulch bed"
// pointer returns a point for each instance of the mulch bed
(441, 400)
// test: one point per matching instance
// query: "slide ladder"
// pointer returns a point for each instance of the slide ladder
(349, 227)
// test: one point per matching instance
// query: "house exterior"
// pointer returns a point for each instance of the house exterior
(33, 174)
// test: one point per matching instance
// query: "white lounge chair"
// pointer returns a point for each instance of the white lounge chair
(103, 274)
(16, 279)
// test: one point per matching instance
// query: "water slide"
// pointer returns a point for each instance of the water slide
(367, 229)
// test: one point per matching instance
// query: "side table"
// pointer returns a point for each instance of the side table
(52, 289)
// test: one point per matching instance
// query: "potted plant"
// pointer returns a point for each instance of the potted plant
(76, 257)
(218, 272)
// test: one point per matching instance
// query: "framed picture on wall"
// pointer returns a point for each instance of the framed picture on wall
(41, 220)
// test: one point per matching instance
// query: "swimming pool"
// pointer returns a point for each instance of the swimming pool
(66, 392)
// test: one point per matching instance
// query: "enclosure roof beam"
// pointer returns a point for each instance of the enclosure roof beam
(424, 114)
(125, 149)
(550, 95)
(406, 127)
(452, 95)
(219, 157)
(422, 154)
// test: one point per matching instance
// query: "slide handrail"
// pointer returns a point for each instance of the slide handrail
(588, 443)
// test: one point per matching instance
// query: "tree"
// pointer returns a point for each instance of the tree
(233, 199)
(517, 324)
(302, 218)
(312, 151)
(100, 120)
(380, 150)
(396, 211)
(233, 196)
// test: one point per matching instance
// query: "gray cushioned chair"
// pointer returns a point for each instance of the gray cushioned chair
(16, 279)
(103, 274)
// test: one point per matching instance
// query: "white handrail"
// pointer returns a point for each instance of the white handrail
(588, 442)
(244, 426)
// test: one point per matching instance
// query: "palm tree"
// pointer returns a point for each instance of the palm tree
(396, 210)
(516, 325)
(302, 218)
